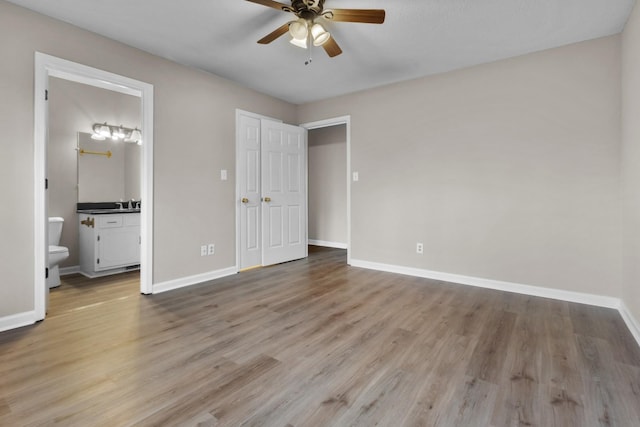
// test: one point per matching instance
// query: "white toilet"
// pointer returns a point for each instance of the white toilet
(57, 254)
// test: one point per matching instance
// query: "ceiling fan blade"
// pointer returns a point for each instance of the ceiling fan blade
(275, 34)
(273, 4)
(366, 16)
(331, 47)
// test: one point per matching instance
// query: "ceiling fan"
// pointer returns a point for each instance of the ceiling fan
(306, 29)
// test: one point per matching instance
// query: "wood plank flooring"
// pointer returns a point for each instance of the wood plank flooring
(317, 343)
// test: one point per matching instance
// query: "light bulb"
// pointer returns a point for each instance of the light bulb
(104, 130)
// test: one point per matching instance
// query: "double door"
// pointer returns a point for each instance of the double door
(272, 187)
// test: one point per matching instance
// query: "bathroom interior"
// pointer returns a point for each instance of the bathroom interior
(94, 186)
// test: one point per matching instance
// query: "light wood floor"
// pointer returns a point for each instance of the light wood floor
(317, 343)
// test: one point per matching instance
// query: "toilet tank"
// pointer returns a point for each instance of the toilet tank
(55, 230)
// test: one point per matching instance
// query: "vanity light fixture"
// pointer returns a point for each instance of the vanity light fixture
(135, 136)
(102, 131)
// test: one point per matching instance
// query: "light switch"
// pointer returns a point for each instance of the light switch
(356, 177)
(223, 174)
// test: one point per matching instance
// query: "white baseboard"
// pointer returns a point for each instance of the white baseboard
(579, 297)
(65, 271)
(17, 320)
(632, 322)
(193, 280)
(538, 291)
(326, 244)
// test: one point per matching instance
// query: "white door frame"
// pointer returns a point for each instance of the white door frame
(343, 120)
(50, 66)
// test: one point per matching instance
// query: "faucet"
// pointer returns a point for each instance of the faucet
(119, 205)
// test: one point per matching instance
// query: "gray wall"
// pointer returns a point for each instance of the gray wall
(194, 126)
(328, 184)
(74, 108)
(506, 171)
(631, 160)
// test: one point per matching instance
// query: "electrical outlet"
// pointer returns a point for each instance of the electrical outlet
(356, 177)
(203, 250)
(223, 174)
(419, 248)
(211, 249)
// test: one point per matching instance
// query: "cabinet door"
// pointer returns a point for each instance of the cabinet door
(118, 247)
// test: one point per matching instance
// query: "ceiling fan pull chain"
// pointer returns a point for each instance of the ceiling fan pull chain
(310, 44)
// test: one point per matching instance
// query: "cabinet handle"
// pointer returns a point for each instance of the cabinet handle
(112, 222)
(89, 222)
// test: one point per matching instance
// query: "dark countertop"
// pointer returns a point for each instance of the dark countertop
(107, 211)
(102, 208)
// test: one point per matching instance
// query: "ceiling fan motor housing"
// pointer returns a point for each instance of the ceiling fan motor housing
(307, 9)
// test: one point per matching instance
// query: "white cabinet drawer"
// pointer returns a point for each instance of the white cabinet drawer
(109, 221)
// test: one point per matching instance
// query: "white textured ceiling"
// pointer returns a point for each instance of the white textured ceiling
(418, 38)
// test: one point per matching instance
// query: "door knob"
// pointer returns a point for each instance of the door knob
(245, 200)
(267, 199)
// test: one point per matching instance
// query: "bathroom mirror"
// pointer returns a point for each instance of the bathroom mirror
(108, 170)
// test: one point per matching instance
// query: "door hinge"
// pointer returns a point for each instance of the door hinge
(46, 184)
(46, 94)
(46, 273)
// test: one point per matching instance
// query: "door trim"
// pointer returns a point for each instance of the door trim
(50, 66)
(342, 120)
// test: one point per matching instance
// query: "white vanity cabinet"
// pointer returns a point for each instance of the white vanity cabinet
(109, 243)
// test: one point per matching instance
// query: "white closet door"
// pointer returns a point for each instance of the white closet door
(249, 186)
(284, 192)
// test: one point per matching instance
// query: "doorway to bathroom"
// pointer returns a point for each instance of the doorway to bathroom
(61, 78)
(85, 168)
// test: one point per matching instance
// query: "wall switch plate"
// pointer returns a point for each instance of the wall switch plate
(211, 249)
(419, 248)
(356, 176)
(203, 250)
(223, 175)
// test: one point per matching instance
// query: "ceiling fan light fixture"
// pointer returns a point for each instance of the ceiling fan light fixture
(299, 29)
(319, 34)
(299, 42)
